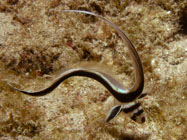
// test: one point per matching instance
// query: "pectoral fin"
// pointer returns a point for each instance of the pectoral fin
(113, 113)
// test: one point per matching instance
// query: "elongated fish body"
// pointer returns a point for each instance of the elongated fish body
(128, 97)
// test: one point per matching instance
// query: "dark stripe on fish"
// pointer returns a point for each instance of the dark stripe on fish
(137, 114)
(131, 108)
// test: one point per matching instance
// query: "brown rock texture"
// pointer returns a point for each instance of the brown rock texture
(38, 40)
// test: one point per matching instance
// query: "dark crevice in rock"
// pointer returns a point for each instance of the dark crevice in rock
(183, 22)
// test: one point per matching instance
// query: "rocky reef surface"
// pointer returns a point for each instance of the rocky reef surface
(38, 40)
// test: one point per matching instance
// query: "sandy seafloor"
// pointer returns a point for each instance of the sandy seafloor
(37, 41)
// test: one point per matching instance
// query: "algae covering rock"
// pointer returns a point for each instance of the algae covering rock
(37, 41)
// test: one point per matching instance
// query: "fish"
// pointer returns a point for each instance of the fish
(128, 98)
